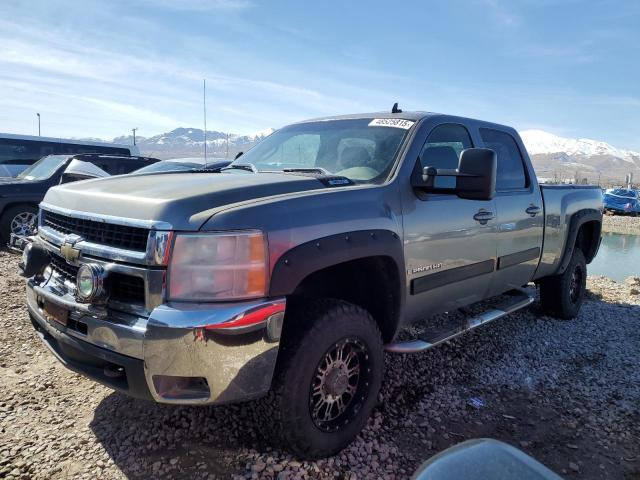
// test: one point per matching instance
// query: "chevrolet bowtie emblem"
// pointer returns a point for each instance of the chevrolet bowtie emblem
(69, 252)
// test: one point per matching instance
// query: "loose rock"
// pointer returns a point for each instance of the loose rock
(560, 389)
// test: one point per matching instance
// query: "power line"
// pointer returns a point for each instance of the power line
(204, 105)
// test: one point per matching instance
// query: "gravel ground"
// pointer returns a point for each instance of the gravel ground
(566, 392)
(621, 224)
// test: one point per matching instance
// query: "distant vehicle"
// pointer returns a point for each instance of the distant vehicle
(622, 200)
(79, 170)
(19, 197)
(196, 164)
(17, 152)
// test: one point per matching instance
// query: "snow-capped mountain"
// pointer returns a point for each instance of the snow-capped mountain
(540, 142)
(182, 142)
(559, 158)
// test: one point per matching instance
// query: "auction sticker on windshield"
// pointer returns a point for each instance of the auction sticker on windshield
(391, 122)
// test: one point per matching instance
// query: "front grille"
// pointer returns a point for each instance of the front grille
(62, 268)
(124, 288)
(120, 236)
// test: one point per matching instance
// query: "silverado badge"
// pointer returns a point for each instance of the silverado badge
(68, 249)
(69, 252)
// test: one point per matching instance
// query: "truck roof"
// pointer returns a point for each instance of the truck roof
(411, 115)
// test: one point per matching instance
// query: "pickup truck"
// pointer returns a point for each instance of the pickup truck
(286, 276)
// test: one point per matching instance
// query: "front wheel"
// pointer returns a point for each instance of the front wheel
(328, 379)
(562, 295)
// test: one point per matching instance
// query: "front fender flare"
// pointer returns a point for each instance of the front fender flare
(304, 259)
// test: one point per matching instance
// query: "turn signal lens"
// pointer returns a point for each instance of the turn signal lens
(218, 266)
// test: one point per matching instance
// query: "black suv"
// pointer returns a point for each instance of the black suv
(19, 197)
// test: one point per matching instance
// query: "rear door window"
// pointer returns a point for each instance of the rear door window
(511, 174)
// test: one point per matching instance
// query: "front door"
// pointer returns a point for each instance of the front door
(450, 249)
(520, 214)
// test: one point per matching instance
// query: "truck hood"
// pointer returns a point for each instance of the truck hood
(176, 198)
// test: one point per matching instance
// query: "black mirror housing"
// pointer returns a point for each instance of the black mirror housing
(477, 174)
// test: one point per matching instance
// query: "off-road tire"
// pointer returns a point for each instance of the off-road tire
(313, 331)
(8, 216)
(562, 295)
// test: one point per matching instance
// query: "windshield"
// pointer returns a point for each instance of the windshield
(362, 150)
(623, 192)
(43, 168)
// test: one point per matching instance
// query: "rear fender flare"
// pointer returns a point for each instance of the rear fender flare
(577, 220)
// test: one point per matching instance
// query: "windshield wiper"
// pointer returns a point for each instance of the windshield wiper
(309, 169)
(250, 167)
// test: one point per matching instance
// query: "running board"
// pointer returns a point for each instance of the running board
(449, 331)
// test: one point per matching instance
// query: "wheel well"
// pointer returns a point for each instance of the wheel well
(372, 283)
(18, 204)
(588, 239)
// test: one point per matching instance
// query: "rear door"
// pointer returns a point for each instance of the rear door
(449, 242)
(520, 213)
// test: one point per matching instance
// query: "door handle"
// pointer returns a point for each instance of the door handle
(483, 216)
(532, 210)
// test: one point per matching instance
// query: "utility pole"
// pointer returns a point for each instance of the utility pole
(38, 123)
(134, 134)
(204, 105)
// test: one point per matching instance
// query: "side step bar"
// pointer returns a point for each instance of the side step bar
(442, 334)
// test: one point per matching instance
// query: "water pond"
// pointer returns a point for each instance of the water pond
(618, 257)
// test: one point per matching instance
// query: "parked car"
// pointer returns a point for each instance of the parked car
(622, 200)
(17, 152)
(19, 197)
(195, 164)
(287, 275)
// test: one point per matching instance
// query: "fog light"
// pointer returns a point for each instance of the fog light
(91, 283)
(181, 388)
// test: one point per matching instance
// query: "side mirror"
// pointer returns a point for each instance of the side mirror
(475, 175)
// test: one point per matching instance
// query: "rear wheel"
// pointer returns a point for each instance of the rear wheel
(328, 379)
(562, 295)
(21, 220)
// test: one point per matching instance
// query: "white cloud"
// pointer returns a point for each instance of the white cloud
(502, 13)
(200, 5)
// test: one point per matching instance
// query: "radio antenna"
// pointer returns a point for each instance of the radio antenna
(204, 105)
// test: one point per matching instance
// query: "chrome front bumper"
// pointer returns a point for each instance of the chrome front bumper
(179, 351)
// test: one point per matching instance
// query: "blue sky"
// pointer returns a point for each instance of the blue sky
(98, 68)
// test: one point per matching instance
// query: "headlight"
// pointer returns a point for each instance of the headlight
(218, 266)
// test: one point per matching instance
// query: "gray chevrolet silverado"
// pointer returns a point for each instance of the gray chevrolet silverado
(288, 274)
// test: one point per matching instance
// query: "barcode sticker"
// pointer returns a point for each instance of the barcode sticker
(392, 122)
